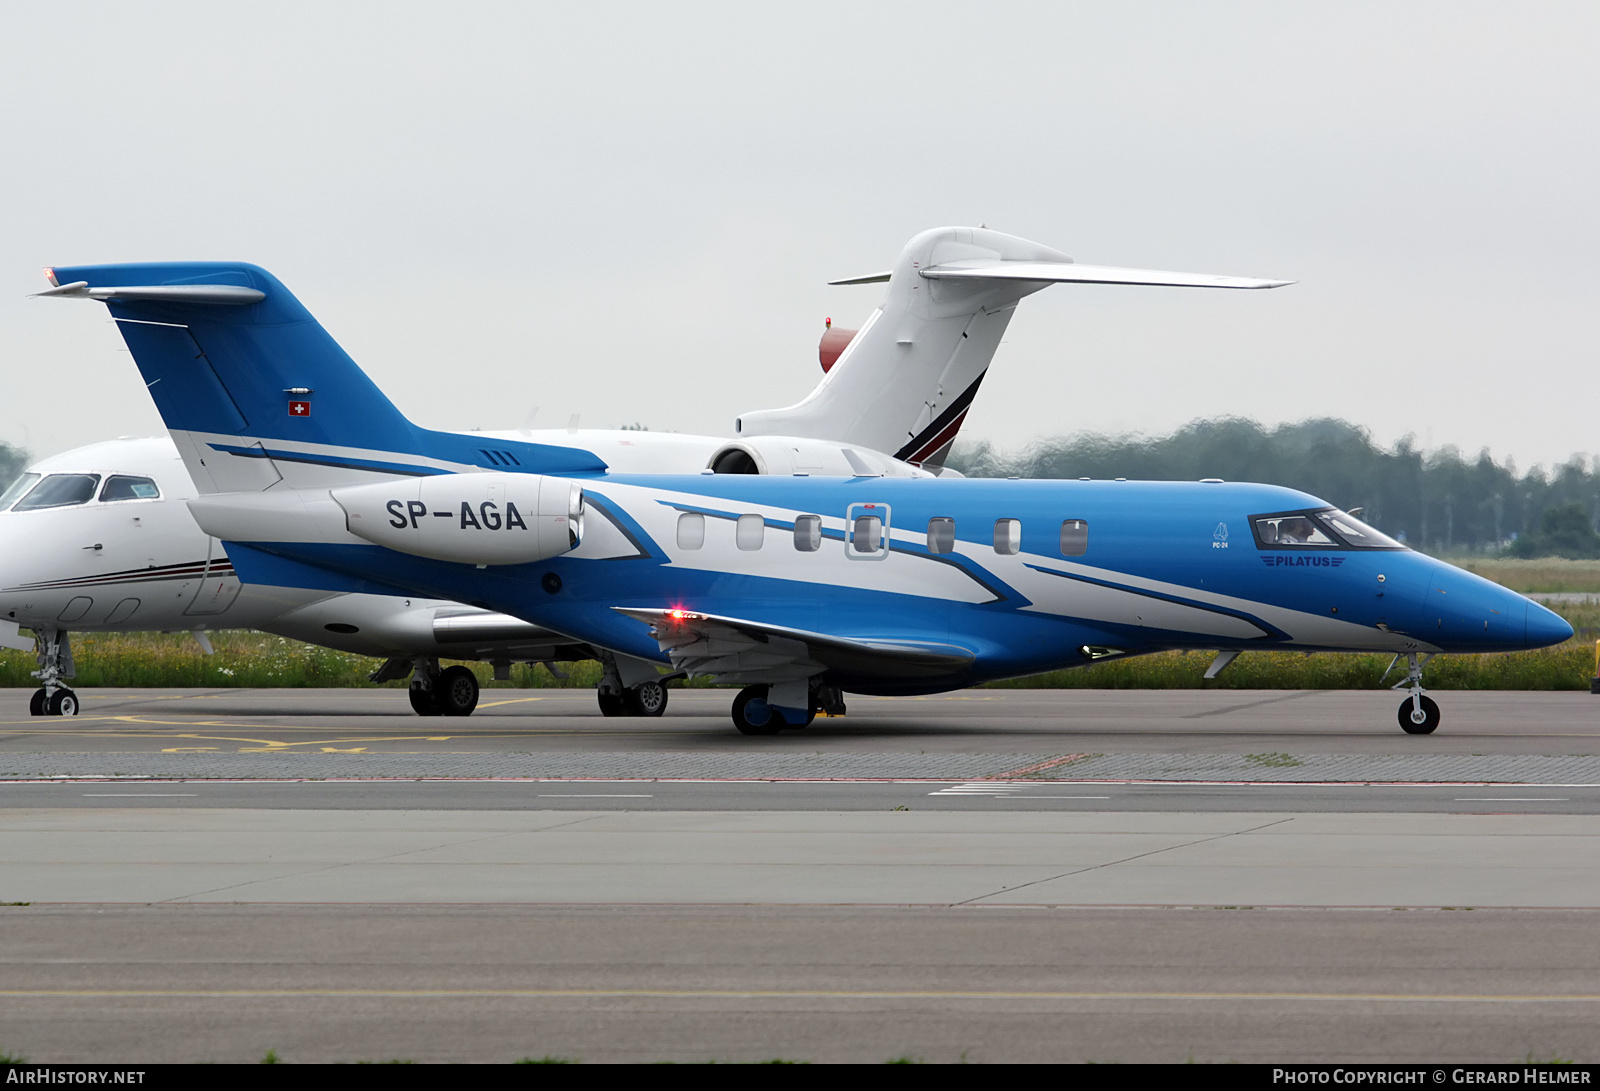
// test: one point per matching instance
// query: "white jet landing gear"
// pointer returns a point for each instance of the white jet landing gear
(1418, 715)
(54, 651)
(630, 687)
(449, 692)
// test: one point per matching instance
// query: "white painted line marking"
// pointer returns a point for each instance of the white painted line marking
(139, 795)
(1511, 799)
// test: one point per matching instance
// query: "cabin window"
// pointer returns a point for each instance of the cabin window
(1074, 538)
(868, 534)
(1008, 536)
(60, 491)
(18, 487)
(941, 534)
(808, 533)
(749, 532)
(691, 530)
(122, 487)
(867, 531)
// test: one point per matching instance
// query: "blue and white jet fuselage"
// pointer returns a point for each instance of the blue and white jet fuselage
(971, 580)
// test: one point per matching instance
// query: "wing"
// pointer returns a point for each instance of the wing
(737, 651)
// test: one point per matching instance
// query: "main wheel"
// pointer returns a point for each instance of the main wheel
(752, 715)
(1419, 723)
(36, 703)
(646, 699)
(422, 700)
(63, 702)
(456, 691)
(612, 704)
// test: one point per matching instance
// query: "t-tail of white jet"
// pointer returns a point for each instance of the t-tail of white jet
(922, 354)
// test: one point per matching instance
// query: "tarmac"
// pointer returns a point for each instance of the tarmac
(1006, 875)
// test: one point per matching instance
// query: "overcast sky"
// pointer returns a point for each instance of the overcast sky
(628, 212)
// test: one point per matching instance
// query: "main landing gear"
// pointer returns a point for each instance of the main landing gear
(54, 651)
(644, 699)
(449, 692)
(630, 687)
(1418, 715)
(767, 710)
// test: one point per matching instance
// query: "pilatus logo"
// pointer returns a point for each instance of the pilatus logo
(1219, 537)
(1319, 560)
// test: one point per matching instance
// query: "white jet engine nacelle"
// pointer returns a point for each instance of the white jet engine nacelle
(472, 518)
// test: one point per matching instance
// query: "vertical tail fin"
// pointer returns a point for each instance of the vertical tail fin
(905, 381)
(255, 391)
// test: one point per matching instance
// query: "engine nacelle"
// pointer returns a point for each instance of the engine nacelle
(477, 519)
(785, 455)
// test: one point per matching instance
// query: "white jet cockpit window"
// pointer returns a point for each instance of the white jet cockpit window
(941, 534)
(691, 530)
(749, 532)
(60, 491)
(122, 487)
(1356, 533)
(808, 533)
(17, 488)
(1074, 538)
(1008, 536)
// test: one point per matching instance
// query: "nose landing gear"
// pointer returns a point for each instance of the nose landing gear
(1418, 715)
(55, 663)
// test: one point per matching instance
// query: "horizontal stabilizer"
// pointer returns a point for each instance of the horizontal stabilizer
(870, 278)
(707, 644)
(160, 293)
(1073, 273)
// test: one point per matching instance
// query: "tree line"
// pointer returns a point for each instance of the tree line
(1439, 501)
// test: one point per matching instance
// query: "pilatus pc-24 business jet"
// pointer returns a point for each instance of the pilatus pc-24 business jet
(799, 587)
(100, 539)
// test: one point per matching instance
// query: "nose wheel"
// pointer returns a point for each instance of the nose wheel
(63, 702)
(1418, 714)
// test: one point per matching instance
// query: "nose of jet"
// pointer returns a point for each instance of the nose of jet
(1546, 627)
(1468, 613)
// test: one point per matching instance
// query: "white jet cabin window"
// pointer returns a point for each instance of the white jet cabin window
(867, 532)
(808, 533)
(941, 534)
(691, 530)
(751, 529)
(60, 491)
(1008, 536)
(1074, 538)
(122, 487)
(17, 488)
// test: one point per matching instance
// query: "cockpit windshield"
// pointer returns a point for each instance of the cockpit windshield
(21, 485)
(1323, 528)
(1357, 533)
(123, 487)
(59, 491)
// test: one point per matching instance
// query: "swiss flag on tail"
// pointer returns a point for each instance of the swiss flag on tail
(298, 408)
